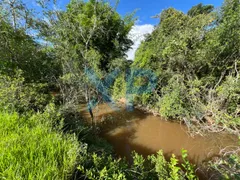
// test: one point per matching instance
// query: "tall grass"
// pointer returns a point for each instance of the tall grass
(31, 149)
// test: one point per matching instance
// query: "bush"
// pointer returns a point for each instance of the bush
(96, 166)
(31, 149)
(229, 95)
(20, 97)
(173, 102)
(228, 166)
(224, 104)
(119, 88)
(171, 169)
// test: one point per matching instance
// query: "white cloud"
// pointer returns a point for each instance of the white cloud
(137, 35)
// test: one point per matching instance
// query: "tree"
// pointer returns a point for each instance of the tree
(228, 34)
(18, 49)
(95, 26)
(200, 9)
(89, 35)
(197, 60)
(176, 44)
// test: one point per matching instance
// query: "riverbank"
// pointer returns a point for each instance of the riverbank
(146, 134)
(141, 127)
(206, 125)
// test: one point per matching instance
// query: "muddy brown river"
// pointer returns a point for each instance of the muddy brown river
(146, 134)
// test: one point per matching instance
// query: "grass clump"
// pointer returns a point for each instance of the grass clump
(31, 149)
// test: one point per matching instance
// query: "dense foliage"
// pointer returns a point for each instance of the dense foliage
(19, 51)
(154, 167)
(16, 95)
(88, 35)
(196, 58)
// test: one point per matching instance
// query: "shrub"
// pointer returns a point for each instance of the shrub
(94, 166)
(171, 169)
(20, 97)
(119, 88)
(101, 166)
(173, 102)
(229, 95)
(187, 166)
(160, 165)
(228, 166)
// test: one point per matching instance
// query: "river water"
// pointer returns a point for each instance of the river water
(146, 134)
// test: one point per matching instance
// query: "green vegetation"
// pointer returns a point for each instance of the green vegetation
(196, 58)
(22, 97)
(44, 53)
(200, 9)
(31, 149)
(48, 145)
(154, 167)
(228, 166)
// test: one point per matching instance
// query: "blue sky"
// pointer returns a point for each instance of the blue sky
(148, 8)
